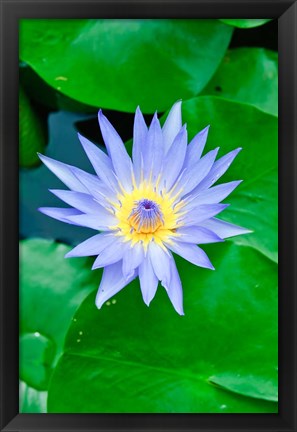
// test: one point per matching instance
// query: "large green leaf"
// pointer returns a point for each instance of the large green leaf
(120, 64)
(32, 132)
(130, 358)
(37, 354)
(245, 23)
(47, 96)
(51, 289)
(254, 203)
(248, 75)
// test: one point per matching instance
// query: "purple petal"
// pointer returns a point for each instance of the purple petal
(95, 187)
(197, 235)
(139, 142)
(154, 151)
(174, 290)
(172, 125)
(102, 221)
(201, 213)
(193, 175)
(175, 158)
(63, 172)
(224, 229)
(132, 259)
(61, 214)
(148, 281)
(213, 195)
(161, 263)
(113, 253)
(92, 246)
(193, 254)
(111, 283)
(81, 201)
(100, 161)
(219, 168)
(117, 151)
(195, 148)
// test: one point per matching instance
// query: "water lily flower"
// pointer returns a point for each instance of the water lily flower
(160, 201)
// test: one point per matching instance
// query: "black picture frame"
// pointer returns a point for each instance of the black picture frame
(286, 13)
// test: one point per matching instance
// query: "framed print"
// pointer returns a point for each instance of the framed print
(148, 215)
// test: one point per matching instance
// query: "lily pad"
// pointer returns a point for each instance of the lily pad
(119, 64)
(37, 354)
(156, 361)
(245, 23)
(253, 386)
(51, 289)
(46, 95)
(257, 86)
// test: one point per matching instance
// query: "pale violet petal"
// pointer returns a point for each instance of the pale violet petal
(224, 229)
(174, 159)
(172, 125)
(61, 214)
(100, 191)
(111, 283)
(160, 260)
(132, 259)
(174, 290)
(213, 195)
(154, 152)
(102, 221)
(192, 253)
(194, 174)
(92, 246)
(218, 169)
(81, 201)
(100, 161)
(148, 281)
(196, 235)
(139, 142)
(201, 213)
(63, 172)
(113, 253)
(195, 148)
(117, 152)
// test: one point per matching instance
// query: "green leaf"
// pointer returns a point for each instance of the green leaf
(51, 289)
(119, 64)
(132, 359)
(32, 132)
(37, 354)
(253, 386)
(47, 96)
(254, 203)
(31, 400)
(248, 75)
(245, 23)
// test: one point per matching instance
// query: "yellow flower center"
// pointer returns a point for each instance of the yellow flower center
(145, 214)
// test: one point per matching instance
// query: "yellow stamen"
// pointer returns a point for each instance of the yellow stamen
(145, 214)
